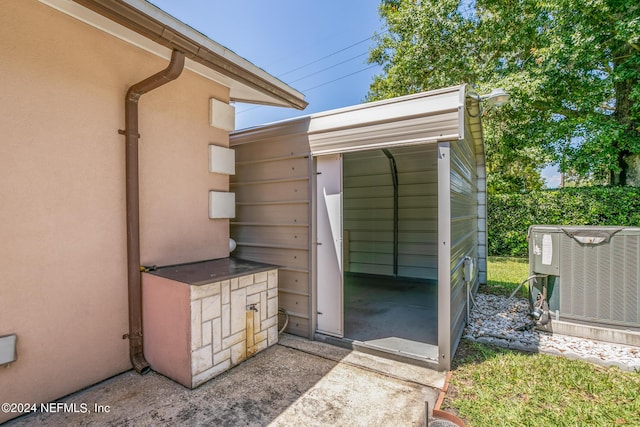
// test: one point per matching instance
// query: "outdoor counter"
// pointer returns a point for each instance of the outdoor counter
(202, 318)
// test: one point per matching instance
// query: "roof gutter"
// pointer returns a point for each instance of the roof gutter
(129, 16)
(131, 134)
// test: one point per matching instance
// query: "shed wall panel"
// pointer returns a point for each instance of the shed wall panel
(464, 230)
(369, 268)
(280, 236)
(473, 131)
(418, 212)
(294, 258)
(273, 169)
(273, 212)
(280, 213)
(274, 149)
(369, 211)
(293, 280)
(297, 303)
(295, 190)
(298, 325)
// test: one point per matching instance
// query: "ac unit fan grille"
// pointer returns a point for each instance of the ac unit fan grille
(601, 282)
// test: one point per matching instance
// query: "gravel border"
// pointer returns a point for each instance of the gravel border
(494, 319)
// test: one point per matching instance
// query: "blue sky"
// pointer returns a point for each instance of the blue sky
(292, 40)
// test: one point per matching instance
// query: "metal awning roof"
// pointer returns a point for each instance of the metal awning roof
(144, 25)
(447, 114)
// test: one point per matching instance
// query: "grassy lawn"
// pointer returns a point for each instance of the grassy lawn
(505, 274)
(499, 387)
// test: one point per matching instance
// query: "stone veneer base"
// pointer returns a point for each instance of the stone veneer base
(193, 333)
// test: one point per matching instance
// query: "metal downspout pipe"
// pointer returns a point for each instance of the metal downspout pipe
(134, 93)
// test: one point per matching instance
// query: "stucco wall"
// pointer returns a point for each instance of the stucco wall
(63, 287)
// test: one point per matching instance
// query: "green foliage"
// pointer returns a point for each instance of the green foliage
(510, 215)
(572, 68)
(504, 274)
(498, 387)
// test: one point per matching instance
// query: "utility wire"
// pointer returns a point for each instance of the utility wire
(329, 67)
(339, 78)
(324, 69)
(317, 86)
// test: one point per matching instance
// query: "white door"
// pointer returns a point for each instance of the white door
(329, 238)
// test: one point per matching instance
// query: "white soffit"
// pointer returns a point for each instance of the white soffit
(238, 91)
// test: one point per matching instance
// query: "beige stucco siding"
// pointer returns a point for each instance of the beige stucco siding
(63, 286)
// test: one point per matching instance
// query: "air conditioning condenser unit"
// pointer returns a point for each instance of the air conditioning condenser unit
(590, 278)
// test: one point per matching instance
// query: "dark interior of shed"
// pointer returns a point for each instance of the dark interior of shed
(390, 250)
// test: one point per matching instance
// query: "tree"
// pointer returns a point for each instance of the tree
(572, 68)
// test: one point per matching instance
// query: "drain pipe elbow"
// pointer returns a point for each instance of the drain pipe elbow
(173, 70)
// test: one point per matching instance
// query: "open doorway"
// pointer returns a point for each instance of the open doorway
(390, 249)
(392, 314)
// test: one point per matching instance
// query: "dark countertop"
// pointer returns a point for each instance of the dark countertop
(215, 270)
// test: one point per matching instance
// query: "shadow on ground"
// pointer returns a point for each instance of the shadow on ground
(297, 382)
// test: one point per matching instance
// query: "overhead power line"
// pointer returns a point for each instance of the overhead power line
(328, 68)
(324, 69)
(316, 87)
(339, 78)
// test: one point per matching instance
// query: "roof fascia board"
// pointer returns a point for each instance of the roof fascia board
(143, 25)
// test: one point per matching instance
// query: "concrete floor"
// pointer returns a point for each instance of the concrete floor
(296, 382)
(396, 314)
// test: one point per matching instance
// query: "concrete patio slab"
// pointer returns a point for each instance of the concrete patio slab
(297, 382)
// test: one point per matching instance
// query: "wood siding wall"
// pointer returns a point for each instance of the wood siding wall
(273, 212)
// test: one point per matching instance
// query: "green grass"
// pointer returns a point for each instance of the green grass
(498, 387)
(505, 274)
